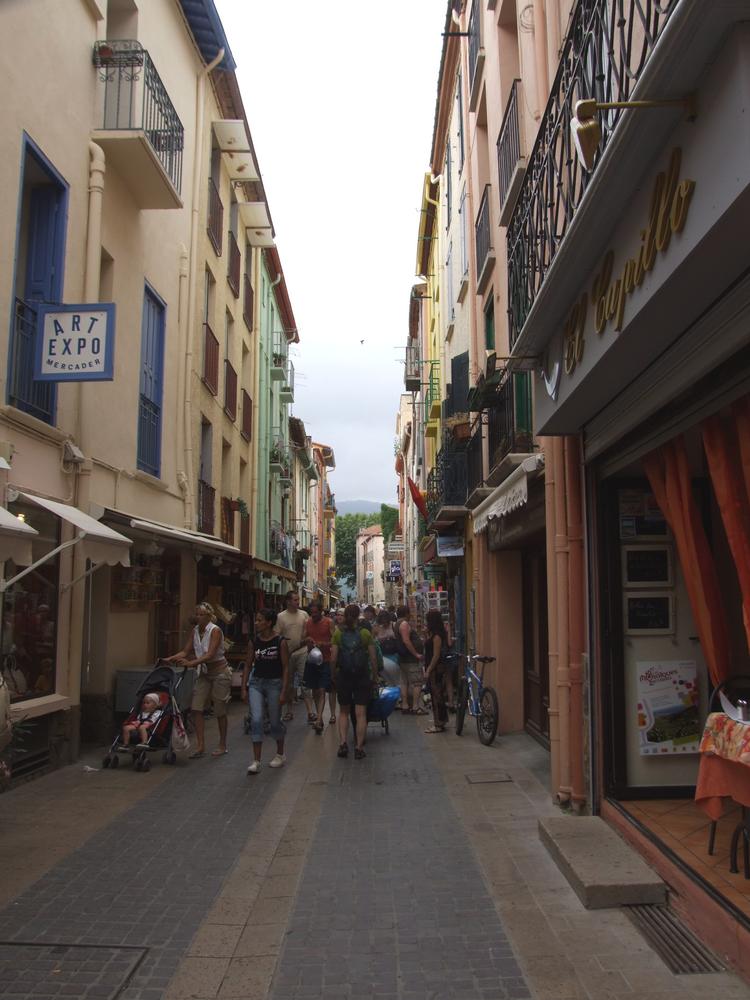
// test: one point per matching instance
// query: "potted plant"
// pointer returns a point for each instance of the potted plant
(242, 507)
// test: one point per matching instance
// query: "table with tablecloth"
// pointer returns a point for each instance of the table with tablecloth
(724, 769)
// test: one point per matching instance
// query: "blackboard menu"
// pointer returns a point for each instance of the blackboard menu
(648, 614)
(647, 565)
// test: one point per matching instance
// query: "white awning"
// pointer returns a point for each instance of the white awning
(99, 543)
(15, 539)
(183, 536)
(511, 494)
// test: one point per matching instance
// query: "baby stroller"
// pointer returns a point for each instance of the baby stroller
(164, 681)
(381, 706)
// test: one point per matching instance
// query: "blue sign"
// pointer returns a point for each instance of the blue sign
(75, 343)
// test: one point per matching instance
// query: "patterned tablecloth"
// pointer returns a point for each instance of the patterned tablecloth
(726, 738)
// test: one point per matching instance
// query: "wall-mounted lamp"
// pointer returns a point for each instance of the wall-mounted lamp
(587, 132)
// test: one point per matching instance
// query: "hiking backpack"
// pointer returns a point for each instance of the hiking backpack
(352, 651)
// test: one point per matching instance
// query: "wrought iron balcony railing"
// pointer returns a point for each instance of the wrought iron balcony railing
(136, 99)
(483, 238)
(36, 398)
(247, 302)
(508, 145)
(206, 504)
(432, 393)
(475, 469)
(210, 360)
(230, 391)
(247, 417)
(233, 268)
(287, 383)
(509, 419)
(447, 482)
(412, 376)
(227, 520)
(215, 217)
(607, 46)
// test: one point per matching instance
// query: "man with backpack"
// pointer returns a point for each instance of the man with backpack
(354, 665)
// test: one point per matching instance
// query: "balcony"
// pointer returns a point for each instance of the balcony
(476, 55)
(447, 486)
(230, 391)
(432, 402)
(287, 384)
(141, 133)
(247, 302)
(280, 461)
(215, 217)
(235, 262)
(483, 243)
(206, 503)
(511, 162)
(246, 430)
(35, 398)
(412, 374)
(509, 426)
(476, 489)
(227, 520)
(281, 545)
(329, 504)
(210, 360)
(605, 53)
(278, 366)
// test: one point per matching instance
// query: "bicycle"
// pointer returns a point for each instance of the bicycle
(481, 701)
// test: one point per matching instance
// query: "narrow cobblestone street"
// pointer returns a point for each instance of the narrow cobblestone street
(414, 874)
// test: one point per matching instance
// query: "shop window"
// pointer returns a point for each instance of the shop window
(28, 637)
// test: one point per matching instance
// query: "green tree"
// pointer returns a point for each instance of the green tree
(388, 521)
(347, 529)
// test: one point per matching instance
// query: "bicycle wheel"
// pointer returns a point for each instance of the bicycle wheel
(462, 699)
(489, 716)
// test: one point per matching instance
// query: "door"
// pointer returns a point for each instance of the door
(535, 643)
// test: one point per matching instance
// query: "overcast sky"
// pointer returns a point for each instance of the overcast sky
(340, 98)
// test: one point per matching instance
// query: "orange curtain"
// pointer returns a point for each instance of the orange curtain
(724, 438)
(668, 472)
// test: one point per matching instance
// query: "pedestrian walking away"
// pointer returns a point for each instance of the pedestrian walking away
(435, 649)
(354, 666)
(317, 677)
(290, 625)
(410, 663)
(267, 683)
(213, 682)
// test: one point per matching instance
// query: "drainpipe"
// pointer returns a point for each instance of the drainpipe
(573, 473)
(92, 274)
(561, 575)
(200, 100)
(183, 339)
(540, 55)
(550, 486)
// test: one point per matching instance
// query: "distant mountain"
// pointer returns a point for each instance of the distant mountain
(357, 506)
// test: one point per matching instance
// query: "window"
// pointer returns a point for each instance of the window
(460, 123)
(449, 284)
(464, 236)
(28, 637)
(448, 186)
(489, 326)
(40, 256)
(151, 384)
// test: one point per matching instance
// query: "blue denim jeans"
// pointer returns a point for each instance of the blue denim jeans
(259, 688)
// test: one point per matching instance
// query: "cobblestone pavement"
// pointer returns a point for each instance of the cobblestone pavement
(415, 874)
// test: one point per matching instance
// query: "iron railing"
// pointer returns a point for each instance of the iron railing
(508, 144)
(509, 418)
(288, 382)
(206, 503)
(227, 520)
(210, 360)
(412, 376)
(247, 417)
(135, 98)
(431, 389)
(607, 46)
(234, 263)
(230, 390)
(247, 302)
(149, 435)
(36, 398)
(447, 482)
(475, 41)
(215, 217)
(474, 462)
(280, 459)
(482, 230)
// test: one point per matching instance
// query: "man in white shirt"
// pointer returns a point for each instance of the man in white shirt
(290, 624)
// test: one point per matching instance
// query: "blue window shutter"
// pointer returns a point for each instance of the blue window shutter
(460, 382)
(41, 272)
(151, 388)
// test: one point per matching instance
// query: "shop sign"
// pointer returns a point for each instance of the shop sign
(451, 546)
(75, 343)
(668, 707)
(607, 298)
(394, 568)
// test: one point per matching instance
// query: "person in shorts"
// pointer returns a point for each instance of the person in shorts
(213, 682)
(317, 678)
(354, 668)
(290, 625)
(410, 664)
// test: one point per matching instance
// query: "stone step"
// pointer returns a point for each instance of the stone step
(602, 869)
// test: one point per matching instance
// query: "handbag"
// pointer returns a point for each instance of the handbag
(180, 739)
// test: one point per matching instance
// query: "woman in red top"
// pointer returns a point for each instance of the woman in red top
(318, 632)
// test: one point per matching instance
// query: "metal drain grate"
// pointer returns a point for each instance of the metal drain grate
(672, 941)
(487, 777)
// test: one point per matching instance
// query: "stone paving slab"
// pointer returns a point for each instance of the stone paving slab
(65, 971)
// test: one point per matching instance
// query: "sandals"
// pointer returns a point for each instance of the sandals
(319, 728)
(311, 718)
(435, 729)
(332, 721)
(287, 717)
(419, 711)
(359, 753)
(343, 750)
(195, 754)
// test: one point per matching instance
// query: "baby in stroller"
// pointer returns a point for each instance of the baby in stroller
(144, 721)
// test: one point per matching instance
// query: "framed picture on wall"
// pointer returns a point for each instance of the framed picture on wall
(647, 566)
(640, 516)
(649, 612)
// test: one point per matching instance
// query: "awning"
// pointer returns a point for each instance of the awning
(206, 542)
(261, 566)
(511, 494)
(99, 543)
(15, 539)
